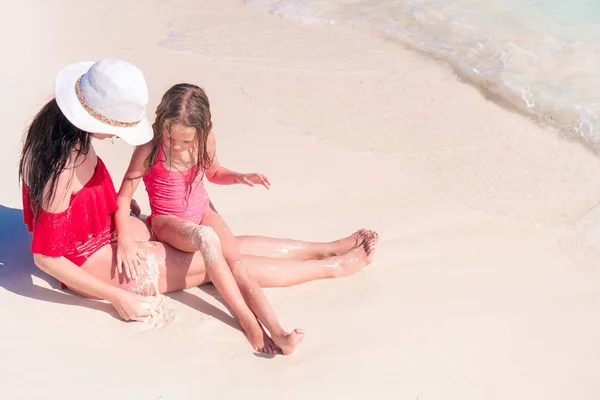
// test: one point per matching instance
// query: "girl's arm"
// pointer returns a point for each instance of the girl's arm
(220, 175)
(128, 253)
(127, 304)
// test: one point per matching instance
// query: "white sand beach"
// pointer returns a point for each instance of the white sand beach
(486, 279)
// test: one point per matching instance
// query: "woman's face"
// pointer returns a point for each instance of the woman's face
(103, 136)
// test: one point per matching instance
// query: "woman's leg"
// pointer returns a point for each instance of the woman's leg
(253, 294)
(276, 272)
(261, 246)
(300, 250)
(273, 272)
(179, 270)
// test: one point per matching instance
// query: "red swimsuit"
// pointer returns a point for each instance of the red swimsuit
(83, 228)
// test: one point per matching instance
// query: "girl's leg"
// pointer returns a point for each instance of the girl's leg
(189, 237)
(254, 296)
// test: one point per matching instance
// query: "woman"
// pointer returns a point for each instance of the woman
(69, 201)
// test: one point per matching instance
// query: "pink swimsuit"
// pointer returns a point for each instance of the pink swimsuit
(168, 193)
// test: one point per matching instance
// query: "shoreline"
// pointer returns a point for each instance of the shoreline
(402, 106)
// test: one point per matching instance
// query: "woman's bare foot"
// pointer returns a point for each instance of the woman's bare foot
(258, 338)
(287, 342)
(373, 235)
(353, 241)
(357, 258)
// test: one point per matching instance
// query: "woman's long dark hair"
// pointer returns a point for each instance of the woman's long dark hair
(50, 142)
(188, 105)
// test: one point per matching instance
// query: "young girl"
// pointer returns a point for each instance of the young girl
(173, 166)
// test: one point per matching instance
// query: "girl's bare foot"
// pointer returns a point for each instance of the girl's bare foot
(258, 338)
(287, 342)
(268, 343)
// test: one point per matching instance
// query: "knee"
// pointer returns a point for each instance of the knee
(207, 241)
(207, 235)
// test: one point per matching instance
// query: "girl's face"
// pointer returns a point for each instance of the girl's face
(180, 138)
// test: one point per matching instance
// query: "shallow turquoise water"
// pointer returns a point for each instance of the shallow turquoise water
(541, 56)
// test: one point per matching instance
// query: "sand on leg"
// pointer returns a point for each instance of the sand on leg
(190, 237)
(253, 294)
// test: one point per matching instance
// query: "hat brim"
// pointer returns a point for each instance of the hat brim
(66, 98)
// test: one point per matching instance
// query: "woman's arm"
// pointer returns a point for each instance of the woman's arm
(128, 305)
(59, 267)
(75, 278)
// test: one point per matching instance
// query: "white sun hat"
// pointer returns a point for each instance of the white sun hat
(108, 96)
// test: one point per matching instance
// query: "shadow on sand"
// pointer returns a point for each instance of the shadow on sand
(18, 272)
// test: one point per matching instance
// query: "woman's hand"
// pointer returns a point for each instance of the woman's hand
(131, 306)
(129, 256)
(252, 179)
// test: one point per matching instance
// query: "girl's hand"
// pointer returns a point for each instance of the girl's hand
(131, 306)
(253, 179)
(129, 255)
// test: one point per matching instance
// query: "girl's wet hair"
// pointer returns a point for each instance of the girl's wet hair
(50, 142)
(188, 105)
